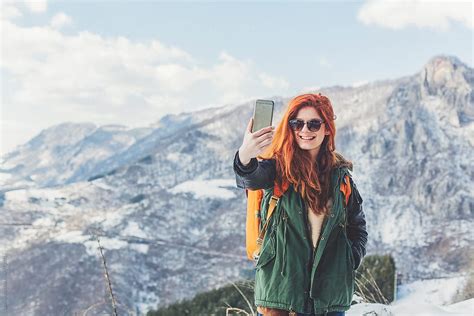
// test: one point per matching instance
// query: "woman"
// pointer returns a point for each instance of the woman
(316, 237)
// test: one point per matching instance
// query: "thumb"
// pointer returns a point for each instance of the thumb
(249, 125)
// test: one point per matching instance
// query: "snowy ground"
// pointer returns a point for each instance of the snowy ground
(428, 297)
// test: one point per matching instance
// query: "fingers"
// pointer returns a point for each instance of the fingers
(264, 140)
(265, 136)
(263, 131)
(265, 143)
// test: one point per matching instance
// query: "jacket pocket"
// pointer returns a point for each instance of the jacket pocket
(333, 284)
(267, 252)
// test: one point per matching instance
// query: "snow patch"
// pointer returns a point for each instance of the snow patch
(142, 248)
(215, 188)
(369, 309)
(106, 243)
(101, 183)
(4, 177)
(72, 237)
(17, 195)
(173, 157)
(114, 217)
(461, 308)
(424, 297)
(133, 229)
(45, 221)
(434, 291)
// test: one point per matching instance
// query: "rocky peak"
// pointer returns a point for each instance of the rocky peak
(451, 80)
(444, 72)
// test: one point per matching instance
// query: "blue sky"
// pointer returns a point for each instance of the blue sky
(132, 62)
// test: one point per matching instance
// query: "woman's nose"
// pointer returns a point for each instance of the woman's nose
(305, 128)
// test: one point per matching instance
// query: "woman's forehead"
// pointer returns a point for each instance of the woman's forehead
(308, 112)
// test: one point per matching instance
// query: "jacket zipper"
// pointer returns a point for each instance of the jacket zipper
(309, 239)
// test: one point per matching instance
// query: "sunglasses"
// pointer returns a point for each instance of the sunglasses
(313, 125)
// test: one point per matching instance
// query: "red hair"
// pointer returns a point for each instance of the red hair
(294, 165)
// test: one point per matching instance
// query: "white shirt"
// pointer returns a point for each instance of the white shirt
(316, 222)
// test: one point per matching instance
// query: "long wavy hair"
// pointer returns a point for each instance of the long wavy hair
(294, 165)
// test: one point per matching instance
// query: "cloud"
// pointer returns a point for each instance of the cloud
(36, 6)
(59, 20)
(396, 15)
(50, 77)
(9, 11)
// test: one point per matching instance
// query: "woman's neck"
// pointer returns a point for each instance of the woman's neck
(314, 153)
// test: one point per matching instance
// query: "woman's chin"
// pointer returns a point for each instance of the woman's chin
(307, 147)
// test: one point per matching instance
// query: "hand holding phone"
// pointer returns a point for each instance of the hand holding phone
(259, 133)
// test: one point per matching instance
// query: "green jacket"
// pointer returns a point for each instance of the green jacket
(290, 273)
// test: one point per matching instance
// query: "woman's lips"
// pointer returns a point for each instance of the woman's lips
(307, 137)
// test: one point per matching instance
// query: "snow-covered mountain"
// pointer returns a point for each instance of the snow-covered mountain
(164, 201)
(65, 153)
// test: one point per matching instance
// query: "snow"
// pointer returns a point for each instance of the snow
(100, 183)
(113, 217)
(461, 307)
(369, 309)
(133, 229)
(360, 83)
(4, 177)
(434, 291)
(139, 247)
(404, 215)
(469, 133)
(48, 194)
(44, 221)
(44, 159)
(173, 157)
(92, 247)
(418, 309)
(74, 236)
(215, 188)
(424, 297)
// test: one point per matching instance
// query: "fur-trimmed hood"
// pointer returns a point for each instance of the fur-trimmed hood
(341, 162)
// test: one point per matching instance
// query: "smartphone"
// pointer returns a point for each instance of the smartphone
(262, 114)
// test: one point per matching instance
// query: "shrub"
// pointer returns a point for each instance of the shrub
(375, 279)
(214, 302)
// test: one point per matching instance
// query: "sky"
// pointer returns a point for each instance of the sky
(131, 62)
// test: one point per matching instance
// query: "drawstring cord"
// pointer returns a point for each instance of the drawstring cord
(284, 243)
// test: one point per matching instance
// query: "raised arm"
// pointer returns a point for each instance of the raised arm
(255, 175)
(356, 226)
(249, 172)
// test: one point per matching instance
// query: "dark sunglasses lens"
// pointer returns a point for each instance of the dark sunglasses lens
(296, 125)
(314, 125)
